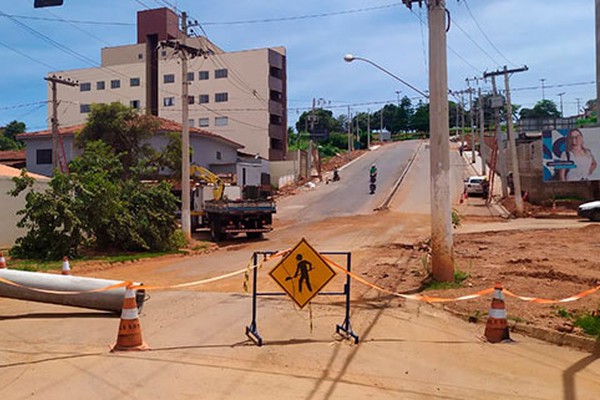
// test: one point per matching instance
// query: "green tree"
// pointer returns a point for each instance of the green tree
(8, 135)
(421, 117)
(97, 205)
(124, 129)
(542, 109)
(323, 120)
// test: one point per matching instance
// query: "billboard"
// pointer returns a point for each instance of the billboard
(571, 155)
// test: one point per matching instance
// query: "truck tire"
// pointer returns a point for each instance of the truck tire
(215, 231)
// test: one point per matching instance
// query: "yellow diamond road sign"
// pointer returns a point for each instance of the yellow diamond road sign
(302, 273)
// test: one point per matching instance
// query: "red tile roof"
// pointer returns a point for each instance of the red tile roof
(166, 125)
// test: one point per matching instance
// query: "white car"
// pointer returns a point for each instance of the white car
(473, 185)
(590, 210)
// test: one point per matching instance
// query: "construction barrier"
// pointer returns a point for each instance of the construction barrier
(130, 338)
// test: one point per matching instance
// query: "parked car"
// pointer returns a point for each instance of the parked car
(474, 185)
(590, 210)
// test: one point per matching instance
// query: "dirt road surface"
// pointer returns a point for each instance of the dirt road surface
(407, 350)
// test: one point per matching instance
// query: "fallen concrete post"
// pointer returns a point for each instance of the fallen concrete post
(109, 300)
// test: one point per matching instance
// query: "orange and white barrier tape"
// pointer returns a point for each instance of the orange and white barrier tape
(550, 301)
(418, 297)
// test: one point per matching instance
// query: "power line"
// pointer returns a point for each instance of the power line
(72, 21)
(484, 35)
(300, 17)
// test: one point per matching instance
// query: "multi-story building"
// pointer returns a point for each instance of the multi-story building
(240, 95)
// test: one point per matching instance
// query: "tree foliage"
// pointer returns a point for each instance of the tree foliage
(542, 109)
(124, 129)
(97, 205)
(8, 135)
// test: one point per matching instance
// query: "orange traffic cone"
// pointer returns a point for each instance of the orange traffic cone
(496, 328)
(66, 270)
(2, 261)
(130, 330)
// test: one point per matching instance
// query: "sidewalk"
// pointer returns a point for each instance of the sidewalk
(476, 206)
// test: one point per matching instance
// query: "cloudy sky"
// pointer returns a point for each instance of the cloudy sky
(554, 38)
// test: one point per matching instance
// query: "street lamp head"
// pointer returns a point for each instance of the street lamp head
(348, 58)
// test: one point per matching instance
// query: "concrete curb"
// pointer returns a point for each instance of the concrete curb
(547, 335)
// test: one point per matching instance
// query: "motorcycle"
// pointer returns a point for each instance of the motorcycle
(336, 175)
(372, 185)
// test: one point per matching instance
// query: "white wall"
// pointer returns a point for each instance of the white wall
(10, 205)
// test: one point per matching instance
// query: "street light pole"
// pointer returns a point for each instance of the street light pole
(350, 58)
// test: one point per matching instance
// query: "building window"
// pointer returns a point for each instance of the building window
(191, 123)
(203, 99)
(84, 108)
(221, 97)
(276, 72)
(191, 99)
(100, 85)
(134, 82)
(219, 155)
(221, 121)
(115, 84)
(169, 78)
(275, 119)
(140, 56)
(203, 122)
(169, 101)
(85, 87)
(220, 73)
(203, 75)
(276, 96)
(163, 53)
(135, 104)
(43, 156)
(190, 76)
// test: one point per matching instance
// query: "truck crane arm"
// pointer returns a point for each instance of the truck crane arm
(204, 174)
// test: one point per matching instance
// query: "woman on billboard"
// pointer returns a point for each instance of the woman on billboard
(581, 157)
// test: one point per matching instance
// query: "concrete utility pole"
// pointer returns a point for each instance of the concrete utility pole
(511, 136)
(500, 164)
(55, 140)
(561, 94)
(597, 8)
(368, 129)
(442, 260)
(481, 131)
(349, 125)
(471, 121)
(184, 52)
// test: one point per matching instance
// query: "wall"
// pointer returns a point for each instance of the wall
(285, 173)
(530, 167)
(10, 205)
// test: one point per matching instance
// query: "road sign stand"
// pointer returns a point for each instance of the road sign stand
(344, 329)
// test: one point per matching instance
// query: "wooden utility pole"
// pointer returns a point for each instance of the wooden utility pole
(368, 129)
(511, 138)
(442, 259)
(55, 139)
(185, 52)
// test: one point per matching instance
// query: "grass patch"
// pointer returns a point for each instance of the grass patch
(590, 324)
(459, 278)
(42, 266)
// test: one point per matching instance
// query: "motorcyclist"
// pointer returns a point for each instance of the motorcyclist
(373, 170)
(372, 178)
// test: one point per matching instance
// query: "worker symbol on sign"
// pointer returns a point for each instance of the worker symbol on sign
(302, 269)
